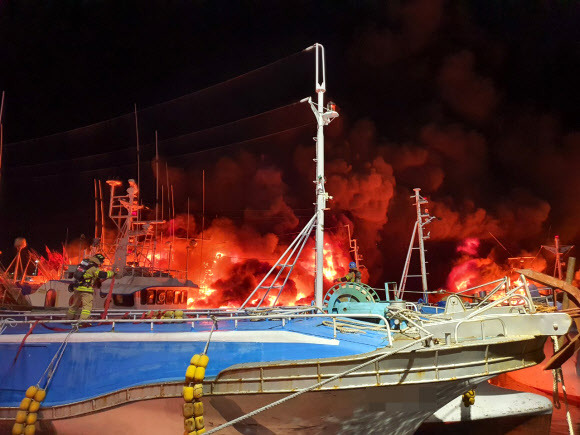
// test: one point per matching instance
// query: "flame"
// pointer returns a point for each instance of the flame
(329, 270)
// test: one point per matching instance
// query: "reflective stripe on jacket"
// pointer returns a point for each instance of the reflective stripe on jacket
(90, 276)
(352, 276)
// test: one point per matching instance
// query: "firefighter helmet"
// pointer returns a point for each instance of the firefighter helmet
(352, 265)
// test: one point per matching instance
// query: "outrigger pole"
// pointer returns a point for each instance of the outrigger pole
(323, 117)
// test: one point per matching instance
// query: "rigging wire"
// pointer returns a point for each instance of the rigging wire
(169, 158)
(158, 105)
(164, 141)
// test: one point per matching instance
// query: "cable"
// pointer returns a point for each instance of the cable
(131, 114)
(165, 141)
(90, 171)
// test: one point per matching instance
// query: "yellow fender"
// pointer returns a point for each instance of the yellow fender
(188, 410)
(40, 395)
(31, 391)
(190, 373)
(468, 398)
(188, 394)
(197, 391)
(25, 404)
(197, 408)
(193, 412)
(17, 429)
(31, 418)
(189, 424)
(199, 374)
(21, 416)
(34, 406)
(199, 422)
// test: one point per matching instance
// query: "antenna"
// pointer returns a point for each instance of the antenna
(137, 141)
(102, 215)
(96, 210)
(1, 132)
(202, 221)
(156, 197)
(187, 241)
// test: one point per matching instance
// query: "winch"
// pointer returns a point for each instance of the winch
(358, 298)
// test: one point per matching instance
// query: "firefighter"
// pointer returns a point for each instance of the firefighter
(83, 287)
(353, 274)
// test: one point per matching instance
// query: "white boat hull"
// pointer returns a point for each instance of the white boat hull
(396, 409)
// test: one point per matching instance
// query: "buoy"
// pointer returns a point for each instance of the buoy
(197, 391)
(179, 314)
(40, 395)
(31, 418)
(188, 410)
(29, 429)
(34, 406)
(469, 398)
(203, 360)
(189, 424)
(200, 431)
(199, 374)
(188, 394)
(21, 416)
(195, 359)
(25, 404)
(168, 314)
(31, 392)
(199, 422)
(190, 373)
(197, 408)
(17, 429)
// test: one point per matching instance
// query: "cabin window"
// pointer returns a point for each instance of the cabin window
(160, 296)
(169, 298)
(124, 300)
(150, 297)
(184, 297)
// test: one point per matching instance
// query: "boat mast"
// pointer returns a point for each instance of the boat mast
(423, 218)
(1, 132)
(323, 117)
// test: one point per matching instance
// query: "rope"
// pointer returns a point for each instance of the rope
(341, 327)
(214, 326)
(546, 309)
(306, 390)
(559, 377)
(5, 323)
(51, 369)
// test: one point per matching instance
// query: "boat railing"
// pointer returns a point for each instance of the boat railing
(134, 313)
(284, 318)
(482, 321)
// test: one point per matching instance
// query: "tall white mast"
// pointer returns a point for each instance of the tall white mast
(323, 117)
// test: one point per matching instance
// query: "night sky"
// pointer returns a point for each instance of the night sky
(473, 101)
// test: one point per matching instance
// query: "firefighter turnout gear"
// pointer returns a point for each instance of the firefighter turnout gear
(353, 274)
(83, 289)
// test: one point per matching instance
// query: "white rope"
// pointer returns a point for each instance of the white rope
(5, 323)
(559, 377)
(51, 369)
(306, 390)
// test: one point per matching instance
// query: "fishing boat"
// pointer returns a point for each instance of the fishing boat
(271, 369)
(135, 254)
